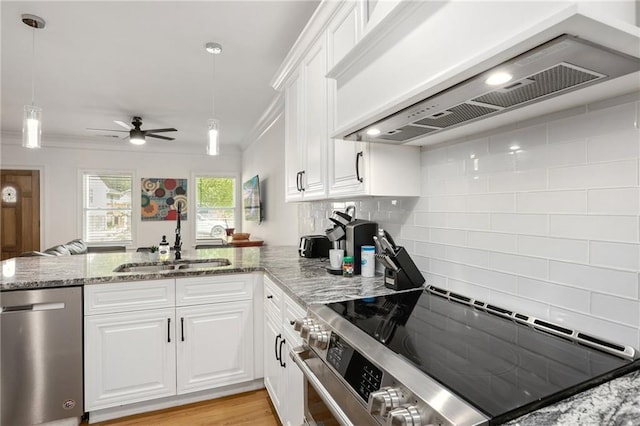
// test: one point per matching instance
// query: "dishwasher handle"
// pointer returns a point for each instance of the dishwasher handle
(51, 306)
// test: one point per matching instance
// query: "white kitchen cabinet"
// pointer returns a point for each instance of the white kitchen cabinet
(283, 379)
(214, 345)
(151, 339)
(129, 357)
(306, 128)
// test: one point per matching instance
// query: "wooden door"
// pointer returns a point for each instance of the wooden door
(20, 212)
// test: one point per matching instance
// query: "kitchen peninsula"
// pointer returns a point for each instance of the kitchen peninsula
(306, 282)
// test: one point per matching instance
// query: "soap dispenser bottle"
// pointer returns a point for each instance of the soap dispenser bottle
(164, 249)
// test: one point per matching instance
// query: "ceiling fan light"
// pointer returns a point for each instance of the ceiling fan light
(213, 144)
(32, 127)
(136, 137)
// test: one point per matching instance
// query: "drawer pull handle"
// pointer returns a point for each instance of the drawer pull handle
(182, 328)
(168, 330)
(269, 297)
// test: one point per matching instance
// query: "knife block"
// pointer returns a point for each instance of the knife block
(407, 276)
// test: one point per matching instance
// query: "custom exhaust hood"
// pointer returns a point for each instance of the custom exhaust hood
(561, 65)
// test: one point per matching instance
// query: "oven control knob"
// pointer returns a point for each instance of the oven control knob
(300, 322)
(319, 339)
(383, 400)
(404, 416)
(308, 329)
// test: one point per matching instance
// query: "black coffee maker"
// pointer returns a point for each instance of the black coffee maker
(359, 233)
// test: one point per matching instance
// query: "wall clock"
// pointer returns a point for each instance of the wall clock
(9, 194)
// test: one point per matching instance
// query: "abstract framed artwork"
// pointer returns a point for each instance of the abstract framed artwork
(161, 198)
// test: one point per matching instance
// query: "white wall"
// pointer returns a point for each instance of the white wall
(550, 229)
(265, 157)
(61, 165)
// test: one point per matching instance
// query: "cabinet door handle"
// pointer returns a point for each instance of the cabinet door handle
(302, 181)
(269, 297)
(182, 329)
(358, 157)
(275, 347)
(292, 322)
(282, 364)
(168, 330)
(298, 182)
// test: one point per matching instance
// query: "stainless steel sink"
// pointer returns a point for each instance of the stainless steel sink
(173, 265)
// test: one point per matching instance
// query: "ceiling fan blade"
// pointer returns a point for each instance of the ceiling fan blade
(123, 124)
(160, 130)
(105, 130)
(159, 137)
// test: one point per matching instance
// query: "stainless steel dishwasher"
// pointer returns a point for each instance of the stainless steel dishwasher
(41, 349)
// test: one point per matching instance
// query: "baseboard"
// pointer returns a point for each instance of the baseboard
(172, 401)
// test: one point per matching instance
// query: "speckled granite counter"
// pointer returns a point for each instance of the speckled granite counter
(306, 281)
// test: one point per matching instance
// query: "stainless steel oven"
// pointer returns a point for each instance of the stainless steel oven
(438, 358)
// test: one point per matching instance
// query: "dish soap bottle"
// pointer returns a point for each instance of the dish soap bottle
(164, 249)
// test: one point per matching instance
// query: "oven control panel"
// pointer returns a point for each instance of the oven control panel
(388, 401)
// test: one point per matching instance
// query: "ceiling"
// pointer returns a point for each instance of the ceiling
(97, 62)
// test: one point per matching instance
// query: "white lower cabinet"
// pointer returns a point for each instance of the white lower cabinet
(214, 345)
(282, 378)
(143, 343)
(129, 357)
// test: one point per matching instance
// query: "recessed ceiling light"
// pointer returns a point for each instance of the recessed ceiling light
(214, 48)
(498, 78)
(514, 147)
(373, 132)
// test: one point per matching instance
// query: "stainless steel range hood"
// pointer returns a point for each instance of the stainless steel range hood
(557, 67)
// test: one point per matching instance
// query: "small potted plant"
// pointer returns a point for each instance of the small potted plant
(153, 253)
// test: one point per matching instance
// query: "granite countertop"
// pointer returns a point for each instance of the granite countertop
(307, 282)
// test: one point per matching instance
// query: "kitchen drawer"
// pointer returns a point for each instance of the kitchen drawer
(128, 296)
(213, 289)
(272, 299)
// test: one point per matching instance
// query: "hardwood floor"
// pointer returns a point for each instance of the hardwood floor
(249, 408)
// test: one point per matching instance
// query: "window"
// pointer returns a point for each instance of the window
(107, 208)
(215, 206)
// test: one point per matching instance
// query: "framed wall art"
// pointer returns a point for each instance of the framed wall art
(161, 198)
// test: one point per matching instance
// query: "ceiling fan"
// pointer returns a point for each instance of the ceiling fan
(137, 136)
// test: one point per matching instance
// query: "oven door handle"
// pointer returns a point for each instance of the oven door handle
(296, 355)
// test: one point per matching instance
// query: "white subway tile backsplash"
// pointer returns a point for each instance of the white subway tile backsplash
(616, 308)
(546, 156)
(604, 280)
(528, 180)
(612, 228)
(437, 220)
(448, 236)
(554, 294)
(519, 223)
(520, 265)
(466, 255)
(478, 276)
(601, 122)
(554, 248)
(468, 149)
(455, 203)
(416, 233)
(552, 202)
(504, 203)
(614, 255)
(600, 175)
(475, 221)
(493, 241)
(524, 139)
(434, 279)
(437, 251)
(614, 201)
(614, 146)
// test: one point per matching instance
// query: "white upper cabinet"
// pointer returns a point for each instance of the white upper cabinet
(316, 166)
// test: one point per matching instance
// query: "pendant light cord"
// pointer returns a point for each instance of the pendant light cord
(33, 66)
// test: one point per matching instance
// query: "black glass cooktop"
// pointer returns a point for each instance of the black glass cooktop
(503, 368)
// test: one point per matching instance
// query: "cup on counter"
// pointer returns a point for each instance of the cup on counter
(335, 258)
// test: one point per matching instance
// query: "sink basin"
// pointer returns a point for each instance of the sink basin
(173, 265)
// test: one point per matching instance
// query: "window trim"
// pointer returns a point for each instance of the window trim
(135, 204)
(193, 192)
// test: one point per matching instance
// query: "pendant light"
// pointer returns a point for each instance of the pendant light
(213, 137)
(32, 118)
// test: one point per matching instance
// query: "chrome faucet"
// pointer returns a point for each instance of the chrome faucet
(177, 246)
